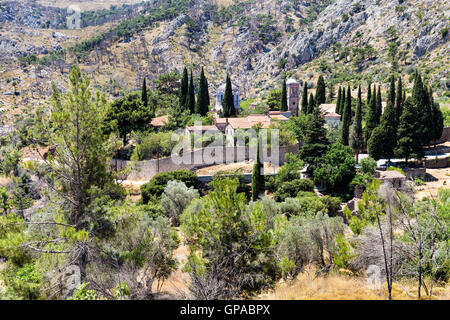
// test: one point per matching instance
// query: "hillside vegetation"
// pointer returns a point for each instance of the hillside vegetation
(254, 41)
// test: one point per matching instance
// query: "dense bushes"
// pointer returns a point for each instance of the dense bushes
(290, 170)
(176, 198)
(337, 169)
(368, 166)
(153, 145)
(155, 187)
(222, 175)
(309, 239)
(231, 244)
(289, 189)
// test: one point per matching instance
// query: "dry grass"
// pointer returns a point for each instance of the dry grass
(4, 181)
(178, 282)
(344, 287)
(224, 3)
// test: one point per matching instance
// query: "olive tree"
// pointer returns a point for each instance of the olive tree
(176, 198)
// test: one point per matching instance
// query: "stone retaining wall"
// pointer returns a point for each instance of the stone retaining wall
(145, 170)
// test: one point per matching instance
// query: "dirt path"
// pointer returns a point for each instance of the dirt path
(244, 167)
(431, 189)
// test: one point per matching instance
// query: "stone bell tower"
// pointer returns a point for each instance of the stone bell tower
(293, 96)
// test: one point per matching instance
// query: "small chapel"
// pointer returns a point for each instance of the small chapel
(220, 96)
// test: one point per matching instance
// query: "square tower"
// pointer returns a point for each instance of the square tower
(293, 96)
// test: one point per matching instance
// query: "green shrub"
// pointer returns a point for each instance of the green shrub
(419, 182)
(395, 169)
(25, 283)
(302, 194)
(333, 205)
(83, 294)
(368, 166)
(289, 189)
(269, 182)
(343, 255)
(290, 170)
(153, 189)
(154, 145)
(222, 175)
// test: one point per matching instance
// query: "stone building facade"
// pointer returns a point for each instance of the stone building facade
(293, 95)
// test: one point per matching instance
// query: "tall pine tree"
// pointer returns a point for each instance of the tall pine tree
(356, 133)
(320, 92)
(346, 118)
(284, 103)
(228, 100)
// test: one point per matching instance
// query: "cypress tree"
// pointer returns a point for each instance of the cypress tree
(228, 100)
(375, 143)
(144, 96)
(369, 95)
(320, 92)
(207, 99)
(437, 118)
(399, 100)
(422, 102)
(392, 94)
(191, 96)
(305, 99)
(338, 101)
(409, 138)
(284, 103)
(184, 88)
(342, 103)
(383, 139)
(315, 141)
(258, 183)
(371, 120)
(311, 103)
(379, 105)
(202, 104)
(346, 118)
(331, 93)
(356, 133)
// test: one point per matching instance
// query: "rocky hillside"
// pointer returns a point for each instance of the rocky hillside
(253, 40)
